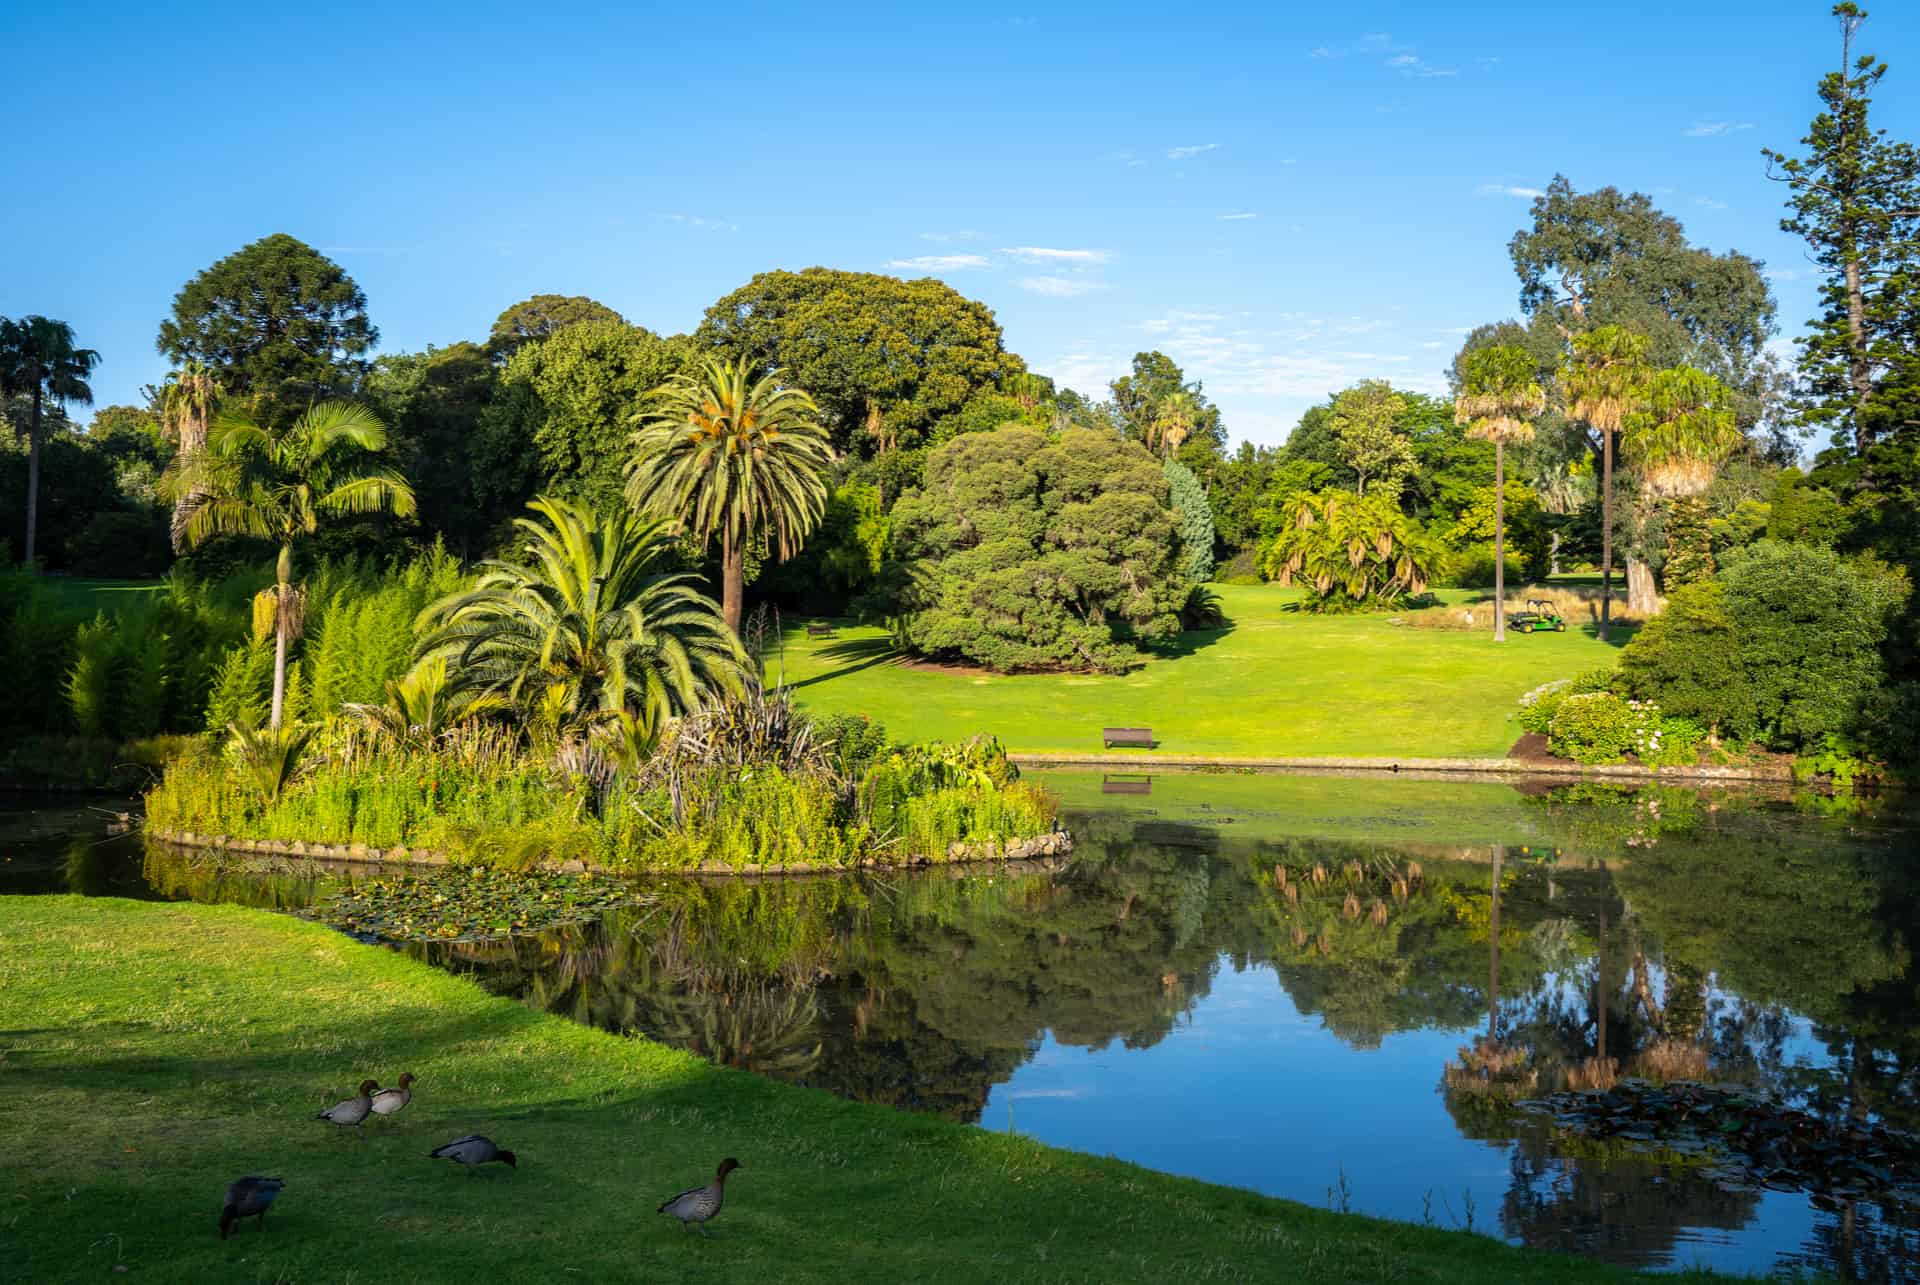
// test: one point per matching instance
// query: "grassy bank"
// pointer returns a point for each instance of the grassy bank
(1272, 682)
(154, 1052)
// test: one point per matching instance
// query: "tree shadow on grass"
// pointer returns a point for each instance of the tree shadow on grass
(852, 656)
(1194, 641)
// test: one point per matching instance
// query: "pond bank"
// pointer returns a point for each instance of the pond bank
(129, 1019)
(1430, 767)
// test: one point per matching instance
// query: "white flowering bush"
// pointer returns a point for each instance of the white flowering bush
(1538, 706)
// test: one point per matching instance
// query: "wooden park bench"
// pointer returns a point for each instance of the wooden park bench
(1111, 784)
(819, 629)
(1137, 736)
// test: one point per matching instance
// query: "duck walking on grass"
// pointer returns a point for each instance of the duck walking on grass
(354, 1111)
(701, 1204)
(473, 1150)
(247, 1197)
(390, 1101)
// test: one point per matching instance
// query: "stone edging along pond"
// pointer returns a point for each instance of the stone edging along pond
(1505, 767)
(1057, 843)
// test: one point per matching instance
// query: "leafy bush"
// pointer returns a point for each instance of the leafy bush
(1472, 568)
(1538, 706)
(1688, 658)
(1593, 727)
(121, 544)
(1021, 554)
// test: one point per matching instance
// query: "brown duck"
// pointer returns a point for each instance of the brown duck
(247, 1197)
(354, 1111)
(701, 1204)
(389, 1101)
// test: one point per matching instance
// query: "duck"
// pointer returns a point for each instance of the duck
(354, 1111)
(474, 1149)
(701, 1204)
(247, 1197)
(390, 1101)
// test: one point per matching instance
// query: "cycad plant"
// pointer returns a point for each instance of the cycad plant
(277, 483)
(421, 707)
(589, 630)
(733, 456)
(1498, 402)
(1351, 551)
(1676, 442)
(1604, 382)
(270, 758)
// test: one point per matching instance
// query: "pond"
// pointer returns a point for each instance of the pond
(1290, 984)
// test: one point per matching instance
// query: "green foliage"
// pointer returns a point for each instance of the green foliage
(1689, 544)
(242, 686)
(1350, 551)
(1528, 536)
(1593, 727)
(1141, 396)
(434, 404)
(1024, 554)
(1688, 659)
(535, 319)
(269, 758)
(1803, 512)
(908, 352)
(279, 322)
(1538, 706)
(1194, 521)
(359, 634)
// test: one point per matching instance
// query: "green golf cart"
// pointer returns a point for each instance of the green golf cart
(1539, 617)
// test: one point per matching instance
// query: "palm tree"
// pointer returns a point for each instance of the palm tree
(38, 361)
(1687, 427)
(723, 453)
(1499, 398)
(186, 409)
(587, 632)
(1173, 421)
(276, 484)
(1605, 382)
(1351, 550)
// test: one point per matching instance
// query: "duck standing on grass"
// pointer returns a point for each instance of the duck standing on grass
(247, 1197)
(701, 1204)
(354, 1111)
(390, 1101)
(472, 1150)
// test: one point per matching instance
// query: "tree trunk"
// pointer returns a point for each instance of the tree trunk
(33, 476)
(1600, 989)
(733, 580)
(283, 572)
(1642, 598)
(1553, 555)
(1606, 531)
(1499, 552)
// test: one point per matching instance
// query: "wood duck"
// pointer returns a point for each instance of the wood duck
(701, 1204)
(247, 1197)
(354, 1111)
(472, 1150)
(389, 1101)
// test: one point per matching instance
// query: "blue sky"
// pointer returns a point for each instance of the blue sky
(1284, 201)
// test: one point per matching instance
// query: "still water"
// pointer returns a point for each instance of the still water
(1275, 982)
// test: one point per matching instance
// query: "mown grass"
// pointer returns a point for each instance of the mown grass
(1273, 682)
(150, 1053)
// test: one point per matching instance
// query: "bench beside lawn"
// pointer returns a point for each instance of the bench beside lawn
(1274, 683)
(152, 1053)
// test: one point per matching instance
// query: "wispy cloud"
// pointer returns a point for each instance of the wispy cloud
(1061, 287)
(942, 262)
(702, 222)
(1049, 255)
(1162, 325)
(1708, 203)
(1188, 153)
(1715, 128)
(1502, 189)
(948, 238)
(1238, 215)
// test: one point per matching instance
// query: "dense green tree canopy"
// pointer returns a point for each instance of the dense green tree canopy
(1021, 554)
(1141, 396)
(536, 318)
(433, 403)
(277, 321)
(884, 358)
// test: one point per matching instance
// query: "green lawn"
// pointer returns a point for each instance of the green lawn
(149, 1053)
(1276, 683)
(81, 597)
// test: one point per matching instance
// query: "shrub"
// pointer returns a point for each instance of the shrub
(1538, 706)
(1688, 659)
(1593, 727)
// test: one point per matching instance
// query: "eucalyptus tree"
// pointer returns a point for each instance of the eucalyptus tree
(277, 483)
(1686, 429)
(38, 361)
(1603, 383)
(187, 402)
(732, 456)
(1498, 402)
(588, 629)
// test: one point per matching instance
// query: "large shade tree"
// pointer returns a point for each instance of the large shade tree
(588, 629)
(1498, 402)
(733, 456)
(1603, 383)
(532, 320)
(279, 324)
(40, 362)
(278, 482)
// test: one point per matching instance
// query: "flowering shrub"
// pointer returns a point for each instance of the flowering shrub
(1672, 742)
(1538, 706)
(1593, 727)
